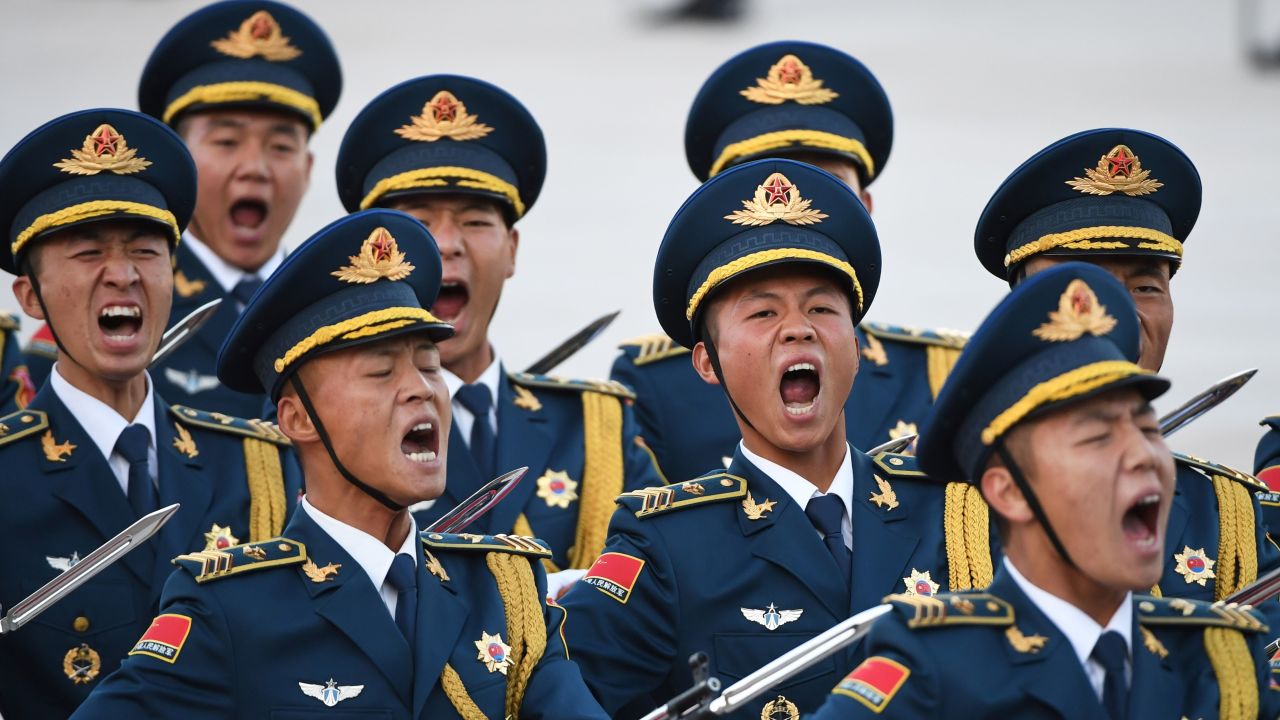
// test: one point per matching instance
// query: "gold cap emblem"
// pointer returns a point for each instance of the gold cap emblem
(259, 35)
(1119, 170)
(379, 257)
(443, 116)
(776, 199)
(789, 79)
(104, 149)
(1078, 313)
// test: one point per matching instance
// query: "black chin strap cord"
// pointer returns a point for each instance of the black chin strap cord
(328, 446)
(1036, 508)
(715, 367)
(48, 320)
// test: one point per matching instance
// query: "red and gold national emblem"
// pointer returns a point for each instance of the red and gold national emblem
(220, 538)
(380, 257)
(1194, 565)
(1078, 313)
(789, 79)
(444, 116)
(920, 584)
(259, 35)
(104, 150)
(777, 198)
(495, 654)
(1119, 170)
(557, 488)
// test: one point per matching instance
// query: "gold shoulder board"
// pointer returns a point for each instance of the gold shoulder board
(717, 487)
(517, 544)
(923, 336)
(1182, 611)
(1213, 468)
(254, 428)
(651, 348)
(208, 565)
(554, 382)
(21, 424)
(966, 608)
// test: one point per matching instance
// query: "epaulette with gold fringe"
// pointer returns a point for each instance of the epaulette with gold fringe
(516, 544)
(651, 348)
(1213, 468)
(898, 465)
(23, 423)
(925, 336)
(208, 565)
(254, 428)
(716, 487)
(943, 609)
(1183, 611)
(555, 382)
(10, 322)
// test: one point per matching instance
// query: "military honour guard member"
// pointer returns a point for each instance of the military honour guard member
(94, 205)
(16, 388)
(1049, 415)
(246, 83)
(1266, 466)
(765, 272)
(1126, 200)
(353, 612)
(815, 104)
(468, 160)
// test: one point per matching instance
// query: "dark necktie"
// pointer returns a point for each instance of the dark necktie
(478, 401)
(244, 290)
(133, 445)
(1111, 652)
(826, 512)
(402, 577)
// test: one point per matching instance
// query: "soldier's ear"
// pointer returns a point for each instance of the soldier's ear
(25, 292)
(514, 236)
(1003, 494)
(865, 196)
(702, 364)
(293, 419)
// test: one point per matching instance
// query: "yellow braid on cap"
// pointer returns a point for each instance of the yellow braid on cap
(602, 472)
(266, 489)
(939, 360)
(1237, 554)
(966, 525)
(1233, 666)
(526, 627)
(458, 696)
(522, 527)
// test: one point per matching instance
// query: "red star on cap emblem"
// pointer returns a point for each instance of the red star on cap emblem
(445, 110)
(261, 28)
(1121, 163)
(777, 191)
(381, 245)
(789, 73)
(104, 142)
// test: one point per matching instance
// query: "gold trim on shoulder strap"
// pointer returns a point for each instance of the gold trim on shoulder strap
(653, 348)
(602, 475)
(18, 425)
(266, 489)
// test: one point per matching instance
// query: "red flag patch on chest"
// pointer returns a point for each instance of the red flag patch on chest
(874, 682)
(1271, 476)
(165, 638)
(614, 574)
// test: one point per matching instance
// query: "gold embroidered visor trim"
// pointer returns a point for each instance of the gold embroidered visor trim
(435, 177)
(1087, 239)
(1065, 386)
(366, 325)
(245, 91)
(786, 138)
(756, 259)
(88, 211)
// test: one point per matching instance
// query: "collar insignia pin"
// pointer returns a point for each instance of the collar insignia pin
(55, 451)
(886, 498)
(320, 574)
(757, 511)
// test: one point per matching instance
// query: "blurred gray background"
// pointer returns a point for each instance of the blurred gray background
(976, 86)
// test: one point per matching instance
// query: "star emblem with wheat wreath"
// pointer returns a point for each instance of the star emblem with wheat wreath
(1119, 170)
(777, 198)
(104, 150)
(380, 257)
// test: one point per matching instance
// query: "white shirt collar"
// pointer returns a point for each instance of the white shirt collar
(801, 490)
(370, 553)
(224, 272)
(1080, 629)
(104, 424)
(462, 417)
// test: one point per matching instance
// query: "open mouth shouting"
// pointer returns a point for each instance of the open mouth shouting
(421, 443)
(799, 388)
(1141, 522)
(248, 216)
(120, 324)
(452, 300)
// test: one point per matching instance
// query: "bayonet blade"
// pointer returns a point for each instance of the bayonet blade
(1202, 403)
(80, 573)
(566, 349)
(894, 445)
(479, 503)
(183, 331)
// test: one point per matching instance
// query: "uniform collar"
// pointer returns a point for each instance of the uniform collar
(101, 421)
(488, 378)
(224, 272)
(801, 490)
(369, 552)
(1080, 629)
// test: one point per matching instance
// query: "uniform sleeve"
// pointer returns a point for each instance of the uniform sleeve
(556, 689)
(897, 679)
(623, 615)
(641, 466)
(181, 666)
(644, 422)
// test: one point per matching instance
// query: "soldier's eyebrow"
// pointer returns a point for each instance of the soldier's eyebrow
(227, 122)
(1151, 269)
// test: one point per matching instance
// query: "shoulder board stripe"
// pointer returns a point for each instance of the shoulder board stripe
(517, 544)
(1182, 611)
(553, 382)
(254, 428)
(944, 609)
(652, 348)
(208, 565)
(18, 425)
(1213, 468)
(898, 465)
(947, 338)
(716, 487)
